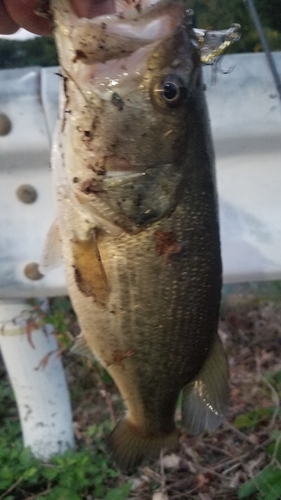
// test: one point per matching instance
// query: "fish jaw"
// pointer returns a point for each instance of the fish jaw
(102, 104)
(131, 26)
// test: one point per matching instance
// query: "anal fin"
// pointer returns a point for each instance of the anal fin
(206, 399)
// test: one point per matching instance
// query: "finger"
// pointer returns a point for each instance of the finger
(7, 25)
(23, 14)
(92, 8)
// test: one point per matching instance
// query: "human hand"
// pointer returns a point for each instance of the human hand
(15, 14)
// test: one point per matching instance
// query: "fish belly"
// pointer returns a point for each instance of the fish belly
(151, 315)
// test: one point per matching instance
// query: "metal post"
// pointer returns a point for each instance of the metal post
(270, 60)
(30, 353)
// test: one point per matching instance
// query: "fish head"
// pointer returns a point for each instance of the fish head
(131, 79)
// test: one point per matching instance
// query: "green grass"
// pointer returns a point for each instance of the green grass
(87, 472)
(72, 476)
(266, 485)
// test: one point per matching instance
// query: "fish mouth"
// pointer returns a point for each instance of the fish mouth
(99, 8)
(106, 7)
(95, 9)
(106, 51)
(114, 29)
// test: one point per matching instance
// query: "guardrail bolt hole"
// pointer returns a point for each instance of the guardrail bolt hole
(26, 193)
(5, 124)
(32, 272)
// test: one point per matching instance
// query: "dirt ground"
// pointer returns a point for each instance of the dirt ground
(207, 467)
(210, 466)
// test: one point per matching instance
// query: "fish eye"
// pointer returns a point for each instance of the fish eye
(172, 90)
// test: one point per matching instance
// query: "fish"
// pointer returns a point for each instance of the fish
(137, 223)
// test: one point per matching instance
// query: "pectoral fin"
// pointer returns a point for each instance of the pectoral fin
(89, 272)
(51, 255)
(205, 400)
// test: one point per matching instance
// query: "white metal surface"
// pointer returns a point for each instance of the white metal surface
(38, 379)
(24, 160)
(246, 124)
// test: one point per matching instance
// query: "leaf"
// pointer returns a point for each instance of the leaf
(268, 483)
(59, 493)
(30, 473)
(119, 493)
(247, 489)
(51, 473)
(278, 377)
(253, 418)
(158, 495)
(100, 491)
(274, 449)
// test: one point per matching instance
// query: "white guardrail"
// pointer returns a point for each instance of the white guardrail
(245, 116)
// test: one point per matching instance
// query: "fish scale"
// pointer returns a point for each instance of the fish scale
(137, 217)
(176, 300)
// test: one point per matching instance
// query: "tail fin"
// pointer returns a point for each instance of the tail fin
(130, 448)
(205, 400)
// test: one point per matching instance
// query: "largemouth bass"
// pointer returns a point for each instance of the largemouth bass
(138, 218)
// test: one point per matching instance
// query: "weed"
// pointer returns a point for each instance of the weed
(266, 485)
(75, 475)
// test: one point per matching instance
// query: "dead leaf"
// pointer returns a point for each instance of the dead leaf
(158, 495)
(170, 461)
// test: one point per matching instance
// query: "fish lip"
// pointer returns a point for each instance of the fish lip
(114, 163)
(130, 12)
(119, 165)
(102, 7)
